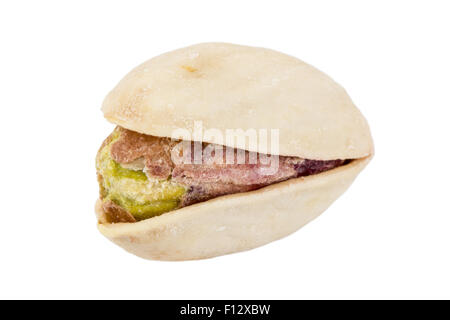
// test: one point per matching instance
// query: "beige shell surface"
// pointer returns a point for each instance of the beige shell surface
(228, 86)
(233, 223)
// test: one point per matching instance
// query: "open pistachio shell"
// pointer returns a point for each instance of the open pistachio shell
(226, 86)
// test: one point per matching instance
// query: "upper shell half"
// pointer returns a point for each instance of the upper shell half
(228, 86)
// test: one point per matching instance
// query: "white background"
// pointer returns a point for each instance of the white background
(387, 237)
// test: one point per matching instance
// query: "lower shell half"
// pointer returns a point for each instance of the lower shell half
(233, 223)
